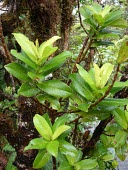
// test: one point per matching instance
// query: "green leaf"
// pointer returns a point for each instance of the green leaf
(113, 102)
(18, 71)
(120, 138)
(46, 53)
(23, 58)
(87, 77)
(102, 74)
(95, 8)
(45, 44)
(81, 87)
(42, 127)
(28, 46)
(36, 77)
(84, 107)
(56, 88)
(121, 23)
(28, 90)
(123, 53)
(106, 10)
(67, 148)
(52, 147)
(86, 164)
(112, 17)
(59, 121)
(59, 131)
(52, 100)
(37, 143)
(54, 63)
(101, 43)
(85, 12)
(108, 157)
(65, 166)
(41, 159)
(120, 118)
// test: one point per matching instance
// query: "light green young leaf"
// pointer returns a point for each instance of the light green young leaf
(108, 157)
(59, 131)
(18, 71)
(56, 88)
(52, 147)
(42, 127)
(86, 164)
(23, 58)
(41, 159)
(105, 73)
(47, 52)
(120, 138)
(97, 75)
(28, 46)
(28, 90)
(45, 44)
(37, 143)
(106, 10)
(123, 52)
(86, 76)
(59, 121)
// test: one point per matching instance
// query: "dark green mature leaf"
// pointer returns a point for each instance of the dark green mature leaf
(100, 43)
(56, 88)
(120, 138)
(54, 63)
(54, 103)
(52, 147)
(18, 71)
(120, 118)
(86, 164)
(37, 143)
(23, 58)
(42, 127)
(113, 102)
(112, 17)
(65, 166)
(41, 159)
(28, 90)
(87, 77)
(81, 87)
(121, 23)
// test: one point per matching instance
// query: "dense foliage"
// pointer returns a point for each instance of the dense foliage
(67, 109)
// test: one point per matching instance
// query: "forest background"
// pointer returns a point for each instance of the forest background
(64, 89)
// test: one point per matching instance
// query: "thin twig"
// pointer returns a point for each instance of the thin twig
(78, 3)
(80, 54)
